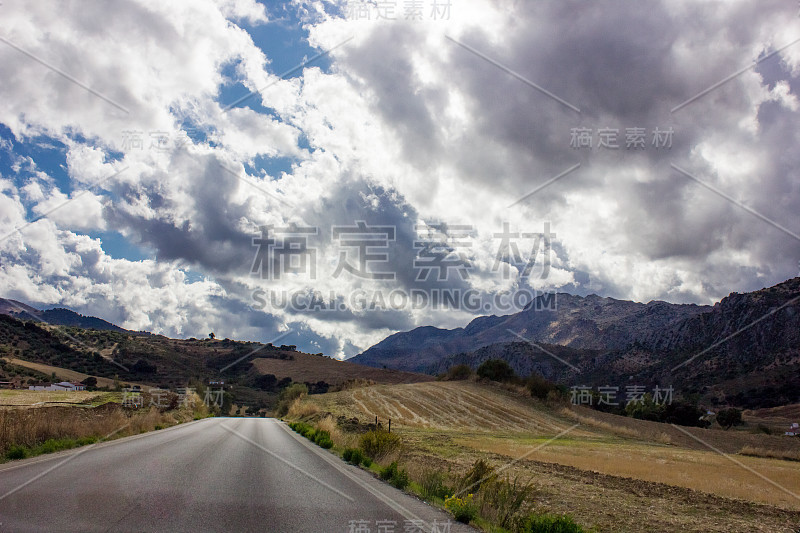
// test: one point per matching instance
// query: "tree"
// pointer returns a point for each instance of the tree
(685, 413)
(90, 382)
(496, 370)
(539, 386)
(265, 382)
(212, 336)
(458, 373)
(143, 367)
(729, 417)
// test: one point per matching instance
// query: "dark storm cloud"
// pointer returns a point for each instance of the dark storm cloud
(209, 238)
(624, 66)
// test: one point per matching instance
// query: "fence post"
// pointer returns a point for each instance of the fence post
(390, 425)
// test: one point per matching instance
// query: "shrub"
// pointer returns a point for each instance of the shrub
(502, 500)
(539, 387)
(433, 485)
(480, 474)
(729, 417)
(496, 370)
(347, 455)
(548, 523)
(388, 471)
(556, 396)
(319, 437)
(378, 443)
(55, 445)
(684, 413)
(397, 477)
(299, 408)
(323, 439)
(303, 429)
(463, 509)
(289, 395)
(355, 457)
(458, 373)
(17, 452)
(400, 480)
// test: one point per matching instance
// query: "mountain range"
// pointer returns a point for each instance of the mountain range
(744, 349)
(58, 316)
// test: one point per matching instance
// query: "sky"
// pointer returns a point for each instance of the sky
(328, 173)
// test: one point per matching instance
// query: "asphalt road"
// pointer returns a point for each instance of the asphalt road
(217, 474)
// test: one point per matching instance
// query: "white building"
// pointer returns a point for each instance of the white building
(61, 386)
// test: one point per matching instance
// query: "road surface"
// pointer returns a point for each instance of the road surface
(217, 474)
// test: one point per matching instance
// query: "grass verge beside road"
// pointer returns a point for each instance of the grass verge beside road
(653, 477)
(479, 496)
(29, 432)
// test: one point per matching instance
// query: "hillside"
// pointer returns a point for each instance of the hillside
(617, 473)
(58, 316)
(253, 373)
(745, 350)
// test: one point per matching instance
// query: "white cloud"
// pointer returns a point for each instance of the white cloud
(405, 126)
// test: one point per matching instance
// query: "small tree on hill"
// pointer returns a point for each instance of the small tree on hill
(728, 418)
(458, 373)
(496, 370)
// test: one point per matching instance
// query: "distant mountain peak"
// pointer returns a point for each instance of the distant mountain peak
(59, 316)
(745, 348)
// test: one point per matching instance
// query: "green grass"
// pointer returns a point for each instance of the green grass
(397, 477)
(355, 456)
(317, 436)
(49, 446)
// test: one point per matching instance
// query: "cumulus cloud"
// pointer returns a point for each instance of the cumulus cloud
(405, 123)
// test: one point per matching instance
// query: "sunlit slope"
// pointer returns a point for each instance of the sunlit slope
(447, 405)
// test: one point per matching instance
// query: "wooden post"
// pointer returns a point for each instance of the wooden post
(376, 421)
(390, 425)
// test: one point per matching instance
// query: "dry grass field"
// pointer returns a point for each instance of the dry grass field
(614, 473)
(28, 398)
(32, 427)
